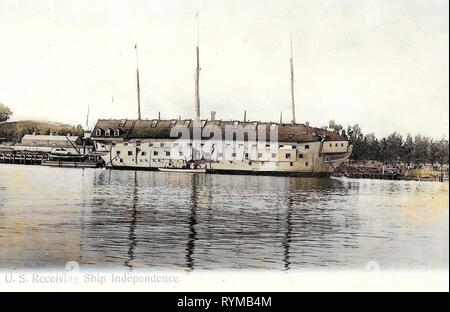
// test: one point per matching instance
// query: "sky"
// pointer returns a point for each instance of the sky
(382, 64)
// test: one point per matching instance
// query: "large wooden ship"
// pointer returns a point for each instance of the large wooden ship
(277, 148)
(218, 146)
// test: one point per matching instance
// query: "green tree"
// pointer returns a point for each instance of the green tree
(422, 150)
(439, 152)
(408, 150)
(5, 112)
(356, 138)
(333, 126)
(394, 148)
(372, 146)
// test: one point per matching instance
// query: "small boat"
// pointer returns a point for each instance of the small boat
(187, 170)
(70, 164)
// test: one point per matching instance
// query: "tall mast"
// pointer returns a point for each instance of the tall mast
(197, 71)
(138, 87)
(292, 83)
(87, 119)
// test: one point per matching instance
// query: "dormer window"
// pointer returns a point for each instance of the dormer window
(99, 132)
(108, 132)
(116, 132)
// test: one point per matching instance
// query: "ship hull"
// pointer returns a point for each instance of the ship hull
(236, 172)
(273, 173)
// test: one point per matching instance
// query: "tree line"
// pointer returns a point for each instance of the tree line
(394, 149)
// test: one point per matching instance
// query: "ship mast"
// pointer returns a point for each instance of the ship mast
(87, 119)
(197, 71)
(292, 83)
(137, 81)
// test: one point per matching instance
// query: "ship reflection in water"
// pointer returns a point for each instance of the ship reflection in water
(109, 219)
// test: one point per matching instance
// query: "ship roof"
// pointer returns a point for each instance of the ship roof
(161, 129)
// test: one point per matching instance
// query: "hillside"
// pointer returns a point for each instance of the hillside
(15, 130)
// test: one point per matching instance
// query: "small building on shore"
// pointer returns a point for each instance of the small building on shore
(51, 140)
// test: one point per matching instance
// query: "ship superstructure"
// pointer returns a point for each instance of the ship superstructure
(231, 146)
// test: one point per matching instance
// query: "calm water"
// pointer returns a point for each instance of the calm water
(102, 218)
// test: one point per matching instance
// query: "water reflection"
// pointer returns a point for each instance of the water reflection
(132, 227)
(129, 219)
(192, 222)
(287, 236)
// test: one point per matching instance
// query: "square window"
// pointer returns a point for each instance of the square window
(274, 155)
(155, 153)
(300, 155)
(260, 155)
(143, 153)
(117, 152)
(306, 164)
(130, 153)
(288, 155)
(306, 146)
(167, 153)
(291, 164)
(249, 163)
(233, 154)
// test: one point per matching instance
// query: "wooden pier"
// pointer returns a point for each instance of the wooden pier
(22, 158)
(39, 158)
(366, 172)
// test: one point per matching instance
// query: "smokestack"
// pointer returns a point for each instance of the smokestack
(245, 115)
(159, 115)
(213, 115)
(281, 118)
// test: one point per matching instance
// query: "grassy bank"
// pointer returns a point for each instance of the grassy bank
(14, 131)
